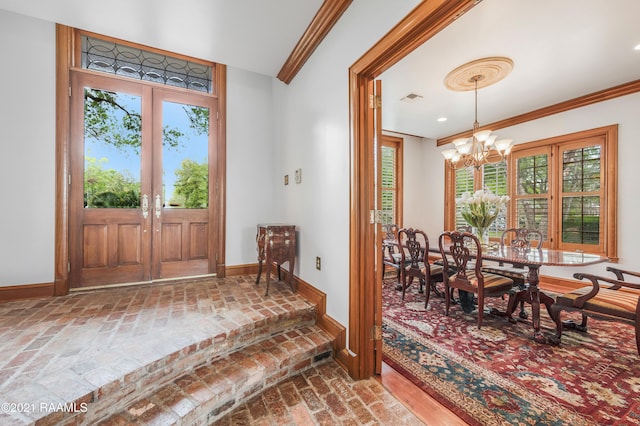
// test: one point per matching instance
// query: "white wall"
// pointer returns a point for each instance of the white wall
(622, 111)
(312, 133)
(250, 158)
(27, 150)
(423, 188)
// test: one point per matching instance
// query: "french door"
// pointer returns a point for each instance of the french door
(142, 175)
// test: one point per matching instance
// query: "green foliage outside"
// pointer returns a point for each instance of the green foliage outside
(109, 120)
(108, 187)
(192, 185)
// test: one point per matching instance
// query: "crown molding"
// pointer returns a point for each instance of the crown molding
(592, 98)
(325, 19)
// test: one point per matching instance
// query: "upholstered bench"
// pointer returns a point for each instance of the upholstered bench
(606, 299)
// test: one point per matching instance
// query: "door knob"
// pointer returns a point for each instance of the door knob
(145, 206)
(158, 206)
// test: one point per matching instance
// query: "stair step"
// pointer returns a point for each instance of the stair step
(212, 390)
(194, 344)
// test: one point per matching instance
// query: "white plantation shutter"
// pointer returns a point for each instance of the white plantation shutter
(464, 183)
(494, 178)
(389, 184)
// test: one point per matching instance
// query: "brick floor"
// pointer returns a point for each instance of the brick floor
(88, 347)
(325, 395)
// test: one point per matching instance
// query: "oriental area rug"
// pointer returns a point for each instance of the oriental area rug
(498, 375)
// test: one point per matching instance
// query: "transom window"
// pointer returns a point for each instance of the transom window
(132, 62)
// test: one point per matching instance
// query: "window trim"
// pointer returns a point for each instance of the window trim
(609, 156)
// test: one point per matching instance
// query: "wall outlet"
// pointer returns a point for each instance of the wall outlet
(318, 263)
(298, 175)
(286, 179)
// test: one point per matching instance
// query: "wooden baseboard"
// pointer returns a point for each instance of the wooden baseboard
(313, 295)
(27, 291)
(235, 270)
(560, 284)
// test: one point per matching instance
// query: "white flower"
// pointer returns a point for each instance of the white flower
(481, 209)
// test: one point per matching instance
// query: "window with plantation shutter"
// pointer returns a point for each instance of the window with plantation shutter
(494, 178)
(391, 179)
(581, 195)
(464, 183)
(565, 187)
(532, 195)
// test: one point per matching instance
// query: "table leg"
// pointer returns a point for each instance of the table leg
(534, 297)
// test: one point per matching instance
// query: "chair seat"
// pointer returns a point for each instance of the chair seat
(620, 303)
(435, 269)
(492, 282)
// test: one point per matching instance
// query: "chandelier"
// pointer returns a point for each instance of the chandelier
(482, 147)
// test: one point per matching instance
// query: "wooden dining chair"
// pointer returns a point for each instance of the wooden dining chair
(519, 239)
(414, 251)
(390, 251)
(464, 249)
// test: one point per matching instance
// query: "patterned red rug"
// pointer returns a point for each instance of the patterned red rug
(498, 375)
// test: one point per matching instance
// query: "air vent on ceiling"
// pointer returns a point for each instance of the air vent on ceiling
(411, 97)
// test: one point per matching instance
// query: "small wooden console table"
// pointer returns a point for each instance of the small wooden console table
(276, 243)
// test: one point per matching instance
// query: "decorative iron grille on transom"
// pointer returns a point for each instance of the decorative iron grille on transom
(126, 61)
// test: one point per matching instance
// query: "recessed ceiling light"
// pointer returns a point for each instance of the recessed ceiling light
(637, 47)
(442, 119)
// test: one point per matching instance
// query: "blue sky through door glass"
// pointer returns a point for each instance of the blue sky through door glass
(185, 162)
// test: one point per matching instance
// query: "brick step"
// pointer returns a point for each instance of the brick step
(194, 345)
(210, 391)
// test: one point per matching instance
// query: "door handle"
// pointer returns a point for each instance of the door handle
(158, 206)
(145, 206)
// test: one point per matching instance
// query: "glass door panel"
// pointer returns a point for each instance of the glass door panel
(185, 158)
(112, 149)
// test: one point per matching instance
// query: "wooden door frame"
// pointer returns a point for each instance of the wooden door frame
(426, 20)
(65, 61)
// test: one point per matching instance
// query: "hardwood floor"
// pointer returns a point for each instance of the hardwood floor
(427, 409)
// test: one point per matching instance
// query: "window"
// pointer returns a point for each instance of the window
(391, 179)
(564, 187)
(532, 197)
(128, 60)
(492, 177)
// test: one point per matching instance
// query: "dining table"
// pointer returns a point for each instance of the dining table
(534, 259)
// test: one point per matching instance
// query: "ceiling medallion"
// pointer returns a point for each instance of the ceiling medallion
(491, 70)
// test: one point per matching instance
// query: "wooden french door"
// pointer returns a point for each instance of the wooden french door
(143, 166)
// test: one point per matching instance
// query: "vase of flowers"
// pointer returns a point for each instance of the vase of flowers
(480, 211)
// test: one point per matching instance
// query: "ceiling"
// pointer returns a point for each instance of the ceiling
(263, 33)
(561, 50)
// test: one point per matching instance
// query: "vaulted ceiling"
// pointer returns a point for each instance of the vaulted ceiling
(561, 49)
